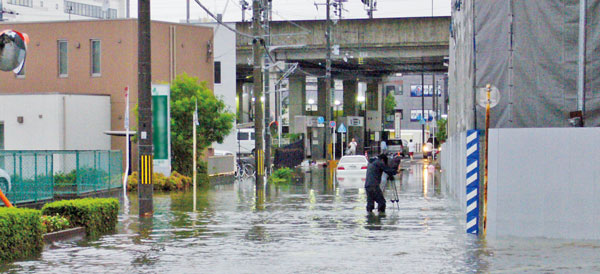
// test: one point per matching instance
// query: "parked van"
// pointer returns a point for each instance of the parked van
(245, 137)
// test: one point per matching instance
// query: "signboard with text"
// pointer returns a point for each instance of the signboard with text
(161, 129)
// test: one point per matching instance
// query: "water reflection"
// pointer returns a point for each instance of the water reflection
(309, 226)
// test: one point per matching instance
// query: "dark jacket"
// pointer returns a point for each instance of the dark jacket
(374, 172)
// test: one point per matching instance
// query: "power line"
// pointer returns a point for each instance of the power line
(221, 22)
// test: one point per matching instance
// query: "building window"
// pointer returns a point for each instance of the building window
(217, 69)
(24, 3)
(416, 115)
(399, 90)
(63, 59)
(95, 57)
(88, 10)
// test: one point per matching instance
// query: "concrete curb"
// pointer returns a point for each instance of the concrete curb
(71, 234)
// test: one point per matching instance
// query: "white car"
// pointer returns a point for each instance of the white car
(352, 165)
(4, 181)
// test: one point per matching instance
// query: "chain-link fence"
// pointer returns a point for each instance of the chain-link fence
(31, 176)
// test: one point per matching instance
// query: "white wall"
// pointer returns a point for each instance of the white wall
(453, 158)
(224, 51)
(49, 123)
(544, 182)
(87, 117)
(42, 122)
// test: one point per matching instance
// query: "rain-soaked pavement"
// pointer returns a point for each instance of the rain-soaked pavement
(310, 226)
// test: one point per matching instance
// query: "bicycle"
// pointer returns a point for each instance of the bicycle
(244, 168)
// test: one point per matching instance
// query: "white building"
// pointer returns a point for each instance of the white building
(53, 10)
(54, 122)
(225, 76)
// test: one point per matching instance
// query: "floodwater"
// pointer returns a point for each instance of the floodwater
(311, 226)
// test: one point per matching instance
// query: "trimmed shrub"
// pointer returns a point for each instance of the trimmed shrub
(97, 215)
(20, 233)
(283, 175)
(161, 183)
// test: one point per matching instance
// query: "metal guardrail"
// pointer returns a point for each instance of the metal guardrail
(40, 175)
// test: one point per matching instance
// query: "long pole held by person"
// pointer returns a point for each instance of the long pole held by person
(195, 123)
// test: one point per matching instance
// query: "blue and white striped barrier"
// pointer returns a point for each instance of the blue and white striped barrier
(472, 182)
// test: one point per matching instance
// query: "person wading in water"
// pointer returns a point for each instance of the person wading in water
(374, 171)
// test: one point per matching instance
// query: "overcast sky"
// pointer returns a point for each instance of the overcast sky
(175, 10)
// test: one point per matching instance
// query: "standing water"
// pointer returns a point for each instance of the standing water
(310, 226)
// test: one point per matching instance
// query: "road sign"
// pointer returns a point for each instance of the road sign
(332, 124)
(355, 121)
(482, 96)
(320, 120)
(342, 128)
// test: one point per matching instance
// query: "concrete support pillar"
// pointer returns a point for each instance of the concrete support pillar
(352, 108)
(240, 101)
(350, 94)
(374, 121)
(373, 96)
(297, 99)
(321, 95)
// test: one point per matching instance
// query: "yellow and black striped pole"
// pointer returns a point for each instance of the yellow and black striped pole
(146, 169)
(260, 159)
(145, 146)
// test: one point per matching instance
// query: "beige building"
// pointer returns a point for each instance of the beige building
(100, 57)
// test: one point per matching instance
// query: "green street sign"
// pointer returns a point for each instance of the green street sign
(161, 129)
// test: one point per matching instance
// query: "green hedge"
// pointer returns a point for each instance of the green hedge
(20, 233)
(97, 215)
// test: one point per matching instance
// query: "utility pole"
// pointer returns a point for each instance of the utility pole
(244, 5)
(328, 84)
(187, 13)
(371, 7)
(267, 75)
(257, 45)
(422, 102)
(145, 147)
(433, 97)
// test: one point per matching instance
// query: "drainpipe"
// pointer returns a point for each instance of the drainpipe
(581, 63)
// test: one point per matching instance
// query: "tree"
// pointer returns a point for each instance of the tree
(390, 104)
(215, 121)
(441, 134)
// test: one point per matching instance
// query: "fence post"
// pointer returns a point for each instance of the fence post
(51, 178)
(96, 183)
(35, 176)
(52, 173)
(77, 171)
(109, 166)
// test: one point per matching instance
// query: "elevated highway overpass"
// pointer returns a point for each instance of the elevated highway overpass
(373, 47)
(369, 50)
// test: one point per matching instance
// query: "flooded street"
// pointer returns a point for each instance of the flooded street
(310, 226)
